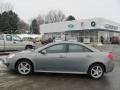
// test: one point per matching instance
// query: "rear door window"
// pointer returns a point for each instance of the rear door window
(78, 48)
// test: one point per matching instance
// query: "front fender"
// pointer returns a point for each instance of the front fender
(12, 62)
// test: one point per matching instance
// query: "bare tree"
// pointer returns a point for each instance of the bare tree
(5, 7)
(51, 17)
(61, 16)
(54, 16)
(40, 19)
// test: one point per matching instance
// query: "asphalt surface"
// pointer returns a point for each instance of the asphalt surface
(44, 81)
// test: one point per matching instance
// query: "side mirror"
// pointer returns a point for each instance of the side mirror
(43, 52)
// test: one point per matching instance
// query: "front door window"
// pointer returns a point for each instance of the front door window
(58, 48)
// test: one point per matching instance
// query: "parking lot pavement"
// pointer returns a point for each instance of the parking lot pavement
(44, 81)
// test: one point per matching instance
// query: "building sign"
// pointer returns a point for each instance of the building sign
(93, 24)
(70, 25)
(111, 27)
(82, 24)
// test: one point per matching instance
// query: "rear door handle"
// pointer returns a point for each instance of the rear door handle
(61, 56)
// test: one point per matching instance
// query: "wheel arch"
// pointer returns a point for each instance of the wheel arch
(28, 46)
(24, 59)
(97, 63)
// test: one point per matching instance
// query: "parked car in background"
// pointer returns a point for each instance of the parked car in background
(86, 40)
(115, 40)
(13, 42)
(58, 40)
(46, 41)
(72, 40)
(29, 39)
(62, 57)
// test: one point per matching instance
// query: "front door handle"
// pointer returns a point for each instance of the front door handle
(14, 42)
(88, 55)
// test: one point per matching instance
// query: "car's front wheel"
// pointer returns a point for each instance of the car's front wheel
(96, 71)
(24, 67)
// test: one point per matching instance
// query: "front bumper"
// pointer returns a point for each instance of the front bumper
(5, 62)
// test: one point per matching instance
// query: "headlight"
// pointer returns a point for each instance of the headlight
(11, 55)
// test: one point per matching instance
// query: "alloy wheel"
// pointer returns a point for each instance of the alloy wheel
(24, 68)
(96, 71)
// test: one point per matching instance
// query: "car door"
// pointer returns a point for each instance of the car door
(1, 42)
(53, 60)
(9, 43)
(18, 44)
(77, 57)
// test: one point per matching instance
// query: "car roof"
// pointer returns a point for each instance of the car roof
(69, 42)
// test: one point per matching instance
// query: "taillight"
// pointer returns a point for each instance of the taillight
(110, 56)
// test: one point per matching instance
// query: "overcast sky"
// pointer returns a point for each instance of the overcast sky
(81, 9)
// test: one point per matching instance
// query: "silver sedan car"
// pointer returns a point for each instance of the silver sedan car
(62, 57)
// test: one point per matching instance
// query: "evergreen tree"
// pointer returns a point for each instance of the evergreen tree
(35, 27)
(9, 22)
(69, 18)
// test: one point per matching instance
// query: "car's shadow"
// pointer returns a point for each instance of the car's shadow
(54, 75)
(62, 80)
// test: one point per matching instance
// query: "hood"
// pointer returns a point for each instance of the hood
(24, 51)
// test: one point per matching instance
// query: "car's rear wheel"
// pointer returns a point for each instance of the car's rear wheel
(96, 71)
(24, 67)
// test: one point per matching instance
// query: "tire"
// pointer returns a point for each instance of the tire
(24, 67)
(28, 47)
(96, 71)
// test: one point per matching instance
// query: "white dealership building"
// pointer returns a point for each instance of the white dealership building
(85, 29)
